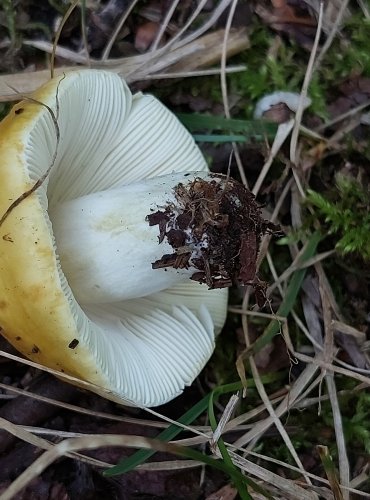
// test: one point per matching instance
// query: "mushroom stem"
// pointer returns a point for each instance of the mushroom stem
(145, 237)
(106, 245)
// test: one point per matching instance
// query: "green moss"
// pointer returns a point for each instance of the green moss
(346, 213)
(349, 54)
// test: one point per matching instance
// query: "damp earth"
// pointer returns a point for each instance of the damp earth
(216, 228)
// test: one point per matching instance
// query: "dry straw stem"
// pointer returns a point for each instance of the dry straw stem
(164, 25)
(225, 418)
(343, 116)
(184, 53)
(294, 157)
(325, 493)
(295, 266)
(290, 489)
(328, 353)
(269, 407)
(340, 14)
(72, 445)
(223, 84)
(91, 413)
(21, 433)
(198, 54)
(282, 133)
(117, 29)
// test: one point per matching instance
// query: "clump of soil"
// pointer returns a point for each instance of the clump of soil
(216, 228)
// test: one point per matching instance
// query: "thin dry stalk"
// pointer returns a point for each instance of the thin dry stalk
(288, 402)
(190, 74)
(170, 465)
(348, 114)
(328, 366)
(72, 445)
(364, 8)
(226, 415)
(86, 411)
(309, 72)
(290, 489)
(117, 29)
(344, 469)
(200, 53)
(213, 18)
(66, 16)
(223, 82)
(263, 395)
(274, 216)
(282, 133)
(342, 327)
(333, 33)
(164, 25)
(19, 432)
(295, 265)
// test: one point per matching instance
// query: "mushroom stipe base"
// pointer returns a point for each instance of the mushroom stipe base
(217, 230)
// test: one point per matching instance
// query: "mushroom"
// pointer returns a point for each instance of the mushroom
(140, 333)
(107, 209)
(279, 105)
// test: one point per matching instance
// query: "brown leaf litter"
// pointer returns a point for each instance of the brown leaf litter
(215, 228)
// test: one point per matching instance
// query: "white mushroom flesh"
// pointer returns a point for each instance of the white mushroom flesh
(107, 247)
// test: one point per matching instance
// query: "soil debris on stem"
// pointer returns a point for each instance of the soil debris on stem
(216, 228)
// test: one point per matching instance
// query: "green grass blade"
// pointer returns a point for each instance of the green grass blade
(173, 430)
(170, 433)
(290, 297)
(219, 138)
(251, 129)
(240, 485)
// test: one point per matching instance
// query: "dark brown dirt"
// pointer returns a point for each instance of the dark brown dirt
(215, 228)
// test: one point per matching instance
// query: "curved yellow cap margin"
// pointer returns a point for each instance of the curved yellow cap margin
(34, 312)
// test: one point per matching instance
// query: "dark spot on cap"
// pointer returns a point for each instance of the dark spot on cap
(35, 349)
(73, 344)
(18, 338)
(19, 111)
(7, 237)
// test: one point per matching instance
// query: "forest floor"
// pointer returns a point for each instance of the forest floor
(300, 428)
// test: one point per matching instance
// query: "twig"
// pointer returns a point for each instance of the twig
(281, 134)
(225, 98)
(70, 9)
(164, 25)
(330, 383)
(332, 34)
(116, 30)
(41, 180)
(273, 415)
(304, 90)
